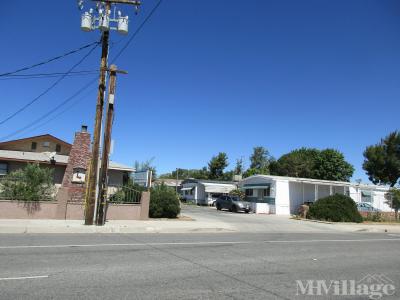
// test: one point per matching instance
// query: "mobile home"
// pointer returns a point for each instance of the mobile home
(204, 192)
(284, 195)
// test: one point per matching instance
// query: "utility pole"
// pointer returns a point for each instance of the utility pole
(176, 183)
(92, 184)
(102, 196)
(90, 21)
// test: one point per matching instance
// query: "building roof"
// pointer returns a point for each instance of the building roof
(320, 181)
(193, 180)
(44, 157)
(117, 166)
(35, 137)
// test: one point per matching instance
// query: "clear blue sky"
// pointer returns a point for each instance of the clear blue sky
(218, 76)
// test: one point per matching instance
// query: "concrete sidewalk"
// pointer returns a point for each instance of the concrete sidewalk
(181, 226)
(120, 226)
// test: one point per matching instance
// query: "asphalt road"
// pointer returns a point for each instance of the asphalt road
(190, 266)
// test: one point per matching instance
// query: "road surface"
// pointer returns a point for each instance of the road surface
(190, 266)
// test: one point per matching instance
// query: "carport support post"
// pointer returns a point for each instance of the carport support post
(316, 192)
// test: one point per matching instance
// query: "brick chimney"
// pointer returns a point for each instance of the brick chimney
(78, 163)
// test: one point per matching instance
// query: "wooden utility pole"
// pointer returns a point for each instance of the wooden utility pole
(92, 185)
(102, 197)
(93, 172)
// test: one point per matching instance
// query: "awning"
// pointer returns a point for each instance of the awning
(187, 188)
(256, 186)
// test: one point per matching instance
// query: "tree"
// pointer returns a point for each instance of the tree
(239, 168)
(393, 200)
(187, 173)
(31, 183)
(217, 165)
(297, 163)
(260, 158)
(331, 165)
(382, 161)
(328, 164)
(146, 166)
(260, 162)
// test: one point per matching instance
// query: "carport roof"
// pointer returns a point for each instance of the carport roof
(319, 182)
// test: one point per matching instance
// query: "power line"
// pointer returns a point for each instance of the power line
(83, 88)
(49, 60)
(49, 88)
(48, 75)
(55, 75)
(63, 111)
(52, 73)
(136, 31)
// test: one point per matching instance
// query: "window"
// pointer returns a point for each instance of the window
(46, 144)
(3, 169)
(249, 192)
(267, 192)
(366, 196)
(33, 146)
(58, 148)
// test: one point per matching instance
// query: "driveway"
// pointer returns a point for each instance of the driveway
(253, 222)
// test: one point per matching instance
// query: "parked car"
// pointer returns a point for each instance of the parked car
(213, 200)
(366, 207)
(232, 203)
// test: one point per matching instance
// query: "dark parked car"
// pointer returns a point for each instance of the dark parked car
(232, 203)
(366, 207)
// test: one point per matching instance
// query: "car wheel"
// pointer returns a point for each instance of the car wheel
(219, 206)
(246, 211)
(234, 208)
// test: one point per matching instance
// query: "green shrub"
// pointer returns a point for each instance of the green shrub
(239, 193)
(31, 183)
(164, 202)
(373, 217)
(336, 208)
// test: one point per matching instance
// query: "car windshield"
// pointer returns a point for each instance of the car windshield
(235, 198)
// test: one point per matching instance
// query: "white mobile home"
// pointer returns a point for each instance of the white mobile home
(284, 195)
(204, 192)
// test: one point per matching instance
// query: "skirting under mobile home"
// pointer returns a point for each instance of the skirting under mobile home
(284, 195)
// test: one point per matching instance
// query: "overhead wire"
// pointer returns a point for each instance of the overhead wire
(48, 75)
(18, 111)
(49, 60)
(86, 85)
(137, 31)
(64, 110)
(83, 88)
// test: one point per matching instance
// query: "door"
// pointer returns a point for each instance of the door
(260, 195)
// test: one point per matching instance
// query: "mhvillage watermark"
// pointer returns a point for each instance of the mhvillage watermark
(373, 286)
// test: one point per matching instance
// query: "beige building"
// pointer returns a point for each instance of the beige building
(50, 152)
